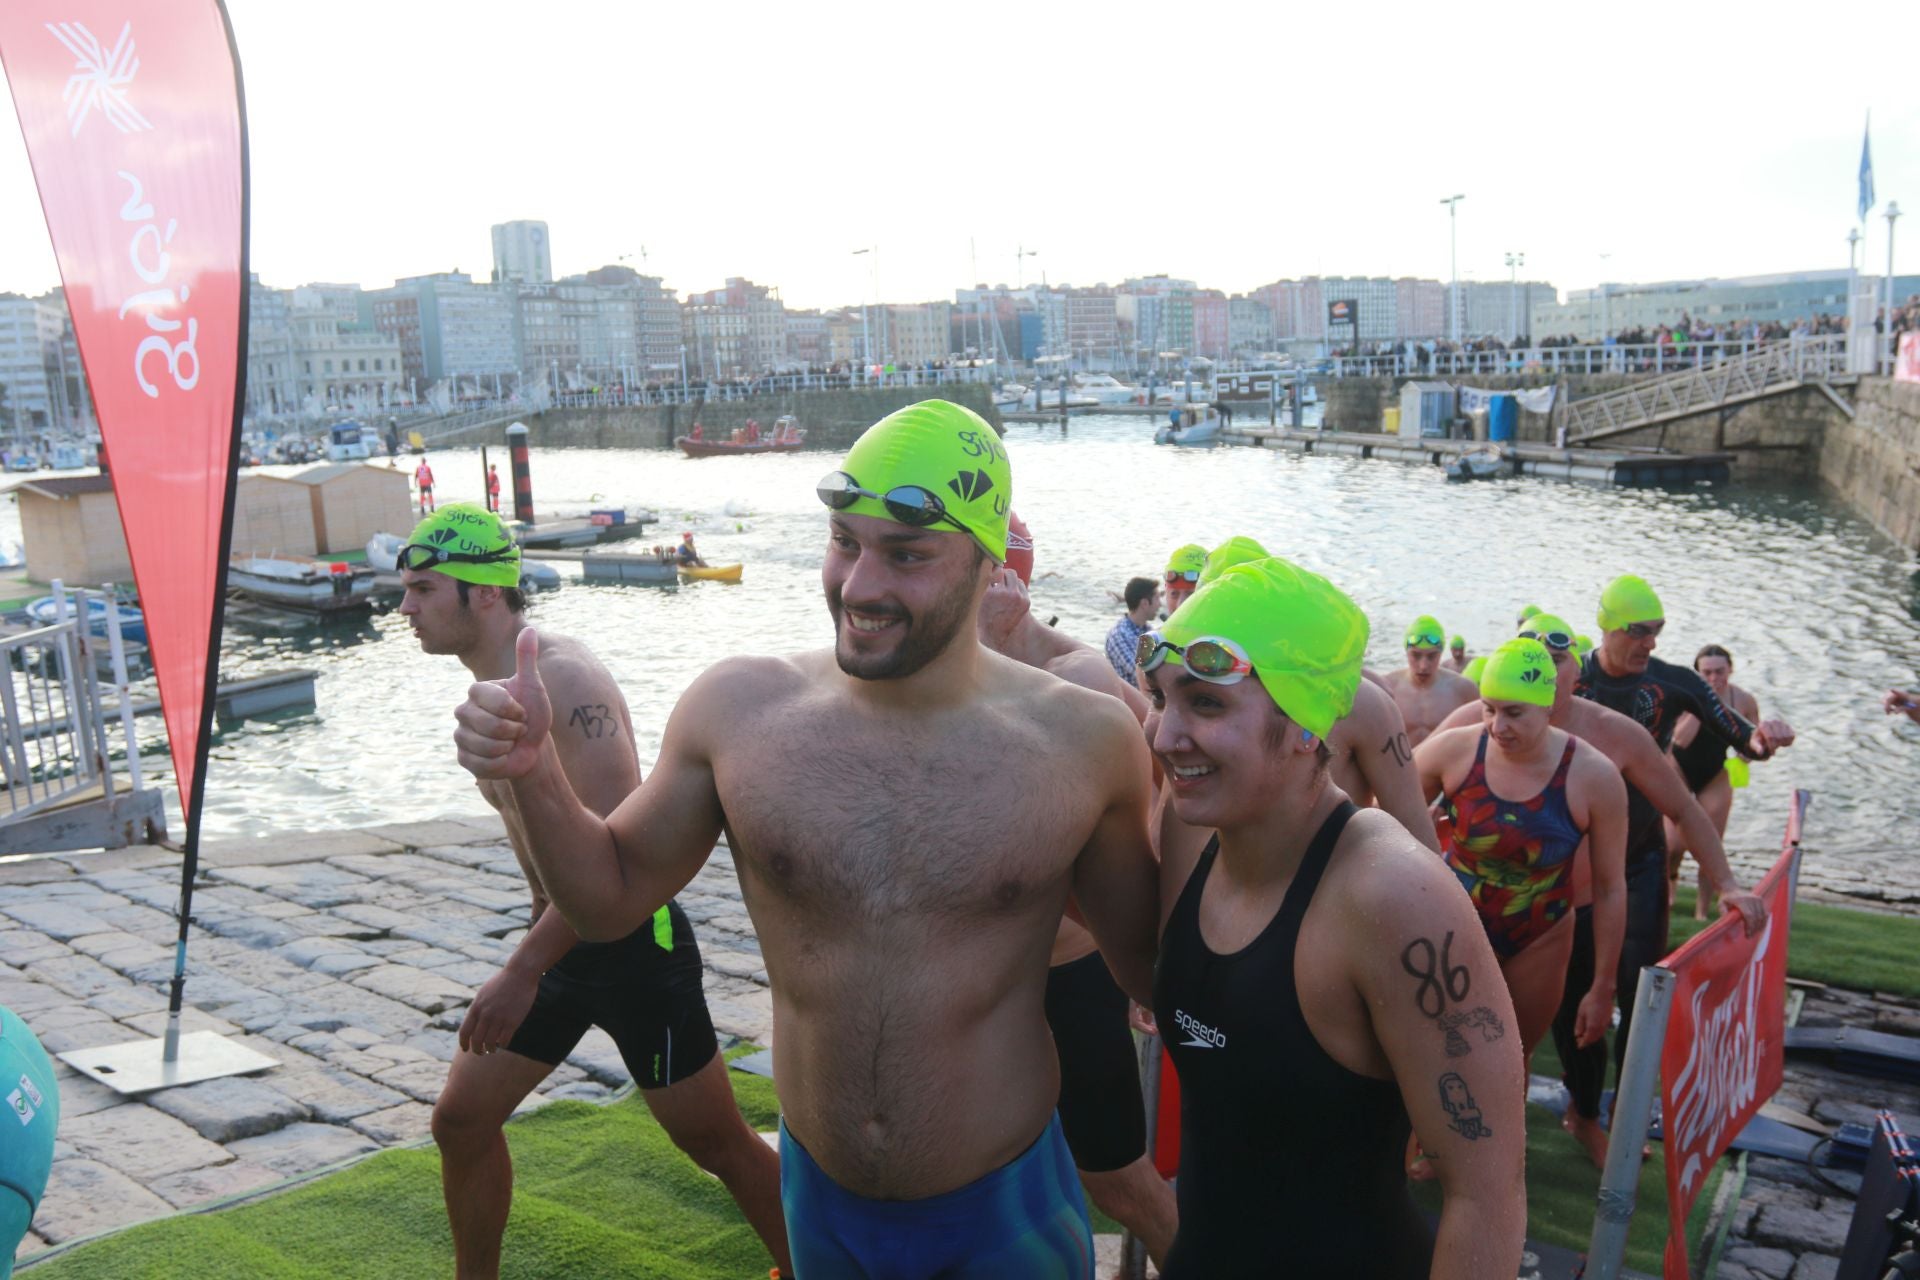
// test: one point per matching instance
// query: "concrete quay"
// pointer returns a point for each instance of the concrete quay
(349, 956)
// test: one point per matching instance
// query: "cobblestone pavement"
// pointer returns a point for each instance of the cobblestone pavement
(1790, 1224)
(348, 956)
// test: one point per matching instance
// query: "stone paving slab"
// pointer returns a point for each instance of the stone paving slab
(349, 957)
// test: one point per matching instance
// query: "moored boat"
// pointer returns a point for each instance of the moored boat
(1479, 464)
(133, 625)
(306, 585)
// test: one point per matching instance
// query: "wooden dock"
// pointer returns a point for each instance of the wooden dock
(1622, 467)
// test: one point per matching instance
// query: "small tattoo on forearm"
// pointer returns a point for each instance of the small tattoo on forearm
(595, 720)
(1440, 980)
(1397, 747)
(1455, 1025)
(1463, 1113)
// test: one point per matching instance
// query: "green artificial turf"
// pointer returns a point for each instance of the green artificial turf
(598, 1192)
(1840, 946)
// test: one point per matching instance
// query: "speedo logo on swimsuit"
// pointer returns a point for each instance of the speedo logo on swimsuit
(1199, 1034)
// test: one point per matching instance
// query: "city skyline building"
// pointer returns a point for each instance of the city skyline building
(522, 253)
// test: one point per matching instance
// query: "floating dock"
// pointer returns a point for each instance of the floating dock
(1622, 467)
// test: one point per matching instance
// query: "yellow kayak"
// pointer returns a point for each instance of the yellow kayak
(712, 572)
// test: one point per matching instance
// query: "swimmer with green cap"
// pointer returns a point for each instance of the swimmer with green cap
(1249, 678)
(1523, 798)
(1456, 659)
(460, 569)
(1425, 691)
(911, 813)
(1184, 568)
(1371, 757)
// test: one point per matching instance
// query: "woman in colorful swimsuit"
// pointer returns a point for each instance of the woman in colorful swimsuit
(1523, 800)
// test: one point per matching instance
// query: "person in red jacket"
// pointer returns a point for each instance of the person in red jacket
(423, 476)
(493, 488)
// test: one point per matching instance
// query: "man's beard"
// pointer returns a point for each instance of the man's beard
(926, 638)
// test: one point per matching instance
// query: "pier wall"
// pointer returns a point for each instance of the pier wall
(1781, 435)
(832, 418)
(1874, 461)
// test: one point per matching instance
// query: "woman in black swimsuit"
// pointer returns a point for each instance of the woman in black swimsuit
(1320, 959)
(1702, 761)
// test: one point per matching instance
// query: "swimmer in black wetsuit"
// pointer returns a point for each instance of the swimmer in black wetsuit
(1322, 949)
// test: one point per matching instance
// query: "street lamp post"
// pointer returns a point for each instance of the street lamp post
(1853, 246)
(866, 332)
(1453, 268)
(1514, 262)
(1606, 312)
(1892, 215)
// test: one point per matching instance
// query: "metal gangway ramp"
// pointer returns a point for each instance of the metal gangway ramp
(1774, 369)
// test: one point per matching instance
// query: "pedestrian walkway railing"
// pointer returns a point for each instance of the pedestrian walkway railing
(55, 745)
(1650, 358)
(1768, 370)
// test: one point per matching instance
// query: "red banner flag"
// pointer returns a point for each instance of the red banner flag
(133, 120)
(1724, 1052)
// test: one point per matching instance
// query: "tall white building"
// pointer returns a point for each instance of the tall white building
(521, 253)
(38, 391)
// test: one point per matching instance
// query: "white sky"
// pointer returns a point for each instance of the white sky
(770, 140)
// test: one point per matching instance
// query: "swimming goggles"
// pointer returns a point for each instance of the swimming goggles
(1176, 575)
(907, 503)
(1214, 659)
(1425, 639)
(1645, 630)
(417, 556)
(1552, 639)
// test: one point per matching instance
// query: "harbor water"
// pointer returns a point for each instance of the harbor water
(1820, 613)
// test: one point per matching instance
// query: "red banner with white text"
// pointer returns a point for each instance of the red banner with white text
(133, 120)
(1724, 1051)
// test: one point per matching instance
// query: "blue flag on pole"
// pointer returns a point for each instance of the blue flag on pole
(1866, 169)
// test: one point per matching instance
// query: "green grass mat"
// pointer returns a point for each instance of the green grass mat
(1840, 946)
(598, 1192)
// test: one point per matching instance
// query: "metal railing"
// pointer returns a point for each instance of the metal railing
(1649, 358)
(54, 745)
(1766, 370)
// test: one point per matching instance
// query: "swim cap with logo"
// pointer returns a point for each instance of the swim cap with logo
(1019, 547)
(1425, 633)
(1235, 550)
(1519, 671)
(468, 529)
(1628, 600)
(1304, 636)
(1546, 624)
(1191, 558)
(948, 450)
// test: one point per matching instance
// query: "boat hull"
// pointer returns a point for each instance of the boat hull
(290, 585)
(725, 448)
(712, 572)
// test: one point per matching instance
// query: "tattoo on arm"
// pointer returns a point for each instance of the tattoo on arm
(1455, 1025)
(1463, 1113)
(1397, 747)
(1440, 980)
(595, 720)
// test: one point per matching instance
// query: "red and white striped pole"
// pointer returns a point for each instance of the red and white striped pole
(522, 473)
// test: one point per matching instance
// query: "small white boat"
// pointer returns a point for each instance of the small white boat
(349, 442)
(1103, 388)
(1008, 397)
(133, 624)
(307, 585)
(1199, 426)
(1485, 463)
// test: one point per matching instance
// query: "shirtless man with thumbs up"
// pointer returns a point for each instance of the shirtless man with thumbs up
(643, 989)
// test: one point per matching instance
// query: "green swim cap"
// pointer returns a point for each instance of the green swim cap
(1425, 633)
(1474, 668)
(1583, 645)
(1191, 558)
(477, 543)
(1519, 671)
(1229, 553)
(948, 450)
(1545, 624)
(1458, 644)
(1628, 600)
(1527, 611)
(1305, 637)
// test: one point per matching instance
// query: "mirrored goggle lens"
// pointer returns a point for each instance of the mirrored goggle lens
(910, 504)
(838, 490)
(418, 556)
(1643, 630)
(1183, 575)
(1551, 639)
(1210, 660)
(1424, 640)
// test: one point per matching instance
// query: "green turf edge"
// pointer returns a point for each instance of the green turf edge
(1840, 946)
